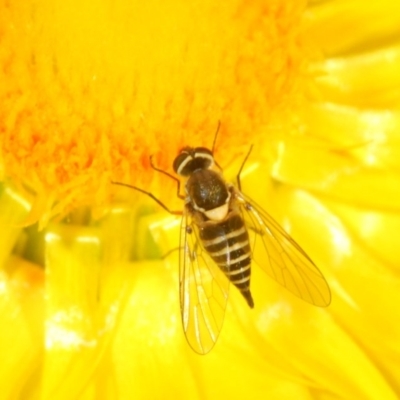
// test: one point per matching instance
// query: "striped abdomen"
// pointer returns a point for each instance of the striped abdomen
(227, 243)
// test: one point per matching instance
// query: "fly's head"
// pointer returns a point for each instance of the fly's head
(191, 159)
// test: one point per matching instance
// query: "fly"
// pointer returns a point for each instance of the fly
(222, 232)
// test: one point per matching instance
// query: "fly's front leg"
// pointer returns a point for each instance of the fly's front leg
(241, 168)
(151, 195)
(178, 182)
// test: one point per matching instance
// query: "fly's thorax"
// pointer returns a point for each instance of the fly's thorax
(209, 194)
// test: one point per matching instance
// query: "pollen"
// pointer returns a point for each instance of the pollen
(91, 90)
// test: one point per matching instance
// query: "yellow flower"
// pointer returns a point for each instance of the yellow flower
(90, 90)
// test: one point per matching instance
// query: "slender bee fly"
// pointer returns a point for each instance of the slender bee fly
(222, 232)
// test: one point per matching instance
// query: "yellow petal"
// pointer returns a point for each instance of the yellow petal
(92, 90)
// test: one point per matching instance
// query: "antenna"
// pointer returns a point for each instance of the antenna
(215, 137)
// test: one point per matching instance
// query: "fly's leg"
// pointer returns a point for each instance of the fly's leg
(178, 182)
(151, 195)
(169, 252)
(241, 168)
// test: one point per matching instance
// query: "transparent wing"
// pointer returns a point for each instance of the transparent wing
(203, 288)
(281, 257)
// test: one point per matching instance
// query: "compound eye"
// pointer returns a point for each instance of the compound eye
(203, 151)
(204, 157)
(181, 163)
